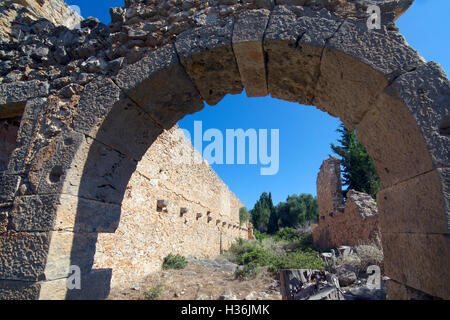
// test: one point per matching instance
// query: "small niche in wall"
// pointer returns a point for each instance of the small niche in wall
(9, 130)
(183, 211)
(161, 205)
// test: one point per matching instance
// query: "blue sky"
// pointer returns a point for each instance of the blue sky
(305, 132)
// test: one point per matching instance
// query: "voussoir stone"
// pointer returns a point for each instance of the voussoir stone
(426, 93)
(352, 56)
(96, 101)
(207, 55)
(161, 87)
(43, 209)
(409, 114)
(415, 206)
(294, 42)
(248, 36)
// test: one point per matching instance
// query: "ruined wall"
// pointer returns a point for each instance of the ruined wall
(329, 188)
(14, 12)
(352, 223)
(147, 234)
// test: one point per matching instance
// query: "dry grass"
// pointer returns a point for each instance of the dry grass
(185, 285)
(365, 255)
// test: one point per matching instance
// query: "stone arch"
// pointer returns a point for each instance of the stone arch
(371, 80)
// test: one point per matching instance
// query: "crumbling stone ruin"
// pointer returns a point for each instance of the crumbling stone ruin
(93, 100)
(351, 223)
(16, 12)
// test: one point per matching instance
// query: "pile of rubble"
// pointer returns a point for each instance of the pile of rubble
(340, 281)
(308, 284)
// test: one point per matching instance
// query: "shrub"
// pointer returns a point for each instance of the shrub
(258, 257)
(287, 234)
(247, 272)
(242, 246)
(369, 255)
(174, 262)
(154, 293)
(260, 235)
(303, 242)
(307, 259)
(363, 256)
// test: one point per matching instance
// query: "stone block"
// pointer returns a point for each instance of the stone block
(161, 87)
(419, 261)
(67, 249)
(28, 125)
(387, 52)
(104, 176)
(83, 215)
(394, 140)
(107, 115)
(64, 213)
(207, 55)
(347, 87)
(96, 101)
(293, 43)
(95, 285)
(34, 213)
(128, 129)
(23, 255)
(398, 291)
(360, 62)
(248, 35)
(426, 93)
(414, 206)
(444, 177)
(50, 165)
(83, 167)
(13, 96)
(19, 290)
(9, 184)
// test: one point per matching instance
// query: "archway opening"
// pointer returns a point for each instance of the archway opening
(371, 80)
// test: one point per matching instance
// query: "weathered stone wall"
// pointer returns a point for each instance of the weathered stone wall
(69, 59)
(352, 223)
(147, 234)
(329, 188)
(15, 12)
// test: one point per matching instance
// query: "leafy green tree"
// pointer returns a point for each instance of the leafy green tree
(359, 172)
(297, 210)
(244, 215)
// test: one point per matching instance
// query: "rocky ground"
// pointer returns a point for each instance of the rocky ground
(206, 279)
(203, 279)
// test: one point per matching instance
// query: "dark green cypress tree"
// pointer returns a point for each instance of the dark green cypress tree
(359, 172)
(262, 212)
